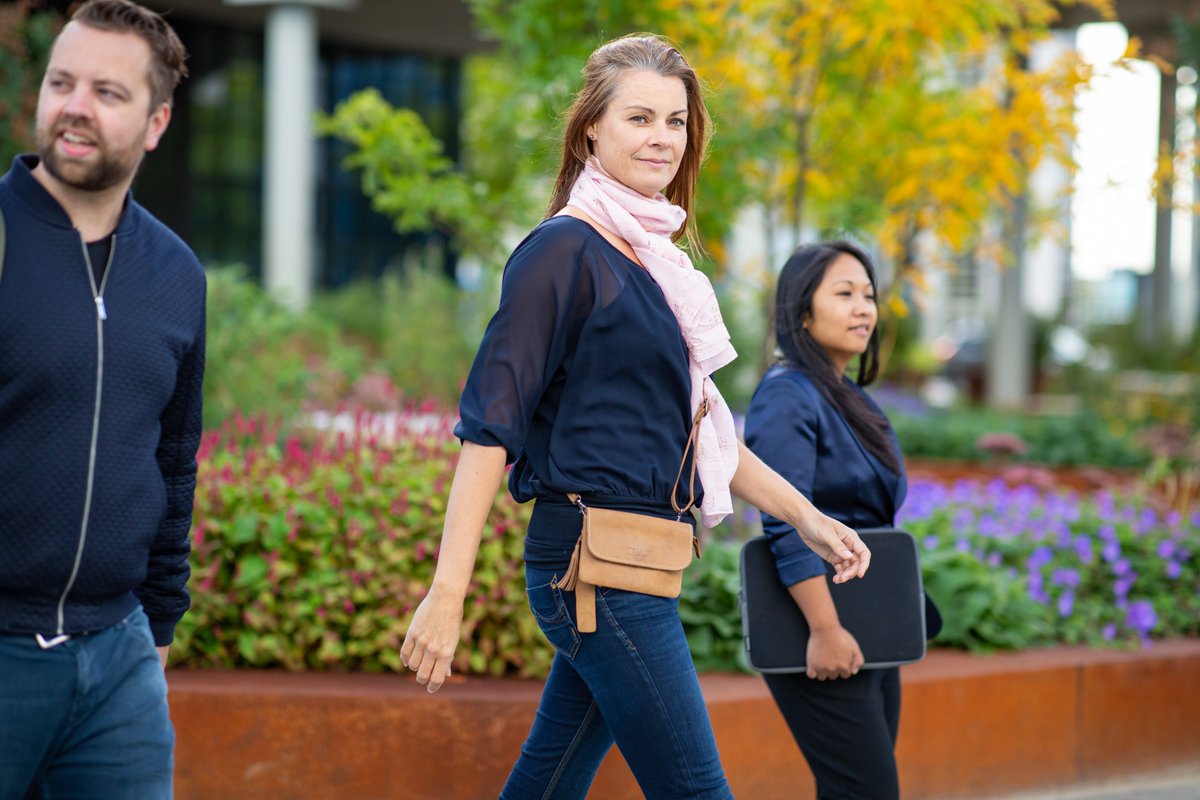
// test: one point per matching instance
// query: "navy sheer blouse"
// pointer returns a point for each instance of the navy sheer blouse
(582, 377)
(802, 436)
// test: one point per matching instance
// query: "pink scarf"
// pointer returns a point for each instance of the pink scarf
(647, 224)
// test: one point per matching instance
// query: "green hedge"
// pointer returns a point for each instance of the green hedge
(1082, 439)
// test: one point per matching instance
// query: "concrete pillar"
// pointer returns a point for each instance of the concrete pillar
(289, 149)
(1158, 327)
(289, 200)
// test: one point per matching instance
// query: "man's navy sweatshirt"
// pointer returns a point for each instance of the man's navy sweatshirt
(100, 401)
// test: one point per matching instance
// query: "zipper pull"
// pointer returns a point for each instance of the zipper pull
(46, 644)
(101, 311)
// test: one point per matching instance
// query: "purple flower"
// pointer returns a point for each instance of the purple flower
(1174, 569)
(1107, 532)
(1109, 632)
(1083, 548)
(1141, 616)
(1066, 603)
(931, 542)
(993, 560)
(990, 526)
(1065, 539)
(962, 546)
(1036, 591)
(1166, 548)
(1040, 557)
(1065, 577)
(1121, 566)
(1111, 551)
(1121, 587)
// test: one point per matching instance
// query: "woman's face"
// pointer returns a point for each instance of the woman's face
(642, 136)
(843, 310)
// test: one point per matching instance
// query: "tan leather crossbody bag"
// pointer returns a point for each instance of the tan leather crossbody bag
(635, 552)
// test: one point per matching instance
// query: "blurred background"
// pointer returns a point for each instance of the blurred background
(1025, 174)
(354, 173)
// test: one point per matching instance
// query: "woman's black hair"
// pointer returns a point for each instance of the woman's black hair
(798, 281)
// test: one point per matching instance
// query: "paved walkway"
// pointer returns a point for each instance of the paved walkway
(1170, 787)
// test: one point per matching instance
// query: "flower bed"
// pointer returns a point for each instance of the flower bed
(311, 551)
(1018, 567)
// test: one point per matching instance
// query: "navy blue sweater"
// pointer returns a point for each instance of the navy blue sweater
(582, 377)
(99, 418)
(802, 436)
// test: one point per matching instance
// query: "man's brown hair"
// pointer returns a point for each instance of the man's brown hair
(167, 52)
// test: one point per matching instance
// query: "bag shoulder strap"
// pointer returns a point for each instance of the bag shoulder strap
(1, 242)
(693, 437)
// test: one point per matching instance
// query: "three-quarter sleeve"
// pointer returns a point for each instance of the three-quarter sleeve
(542, 303)
(782, 428)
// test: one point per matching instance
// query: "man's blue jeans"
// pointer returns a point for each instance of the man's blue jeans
(632, 682)
(87, 718)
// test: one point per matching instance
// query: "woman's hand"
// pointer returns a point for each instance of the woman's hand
(436, 625)
(432, 638)
(832, 653)
(834, 542)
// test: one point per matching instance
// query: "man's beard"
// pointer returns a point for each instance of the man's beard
(108, 170)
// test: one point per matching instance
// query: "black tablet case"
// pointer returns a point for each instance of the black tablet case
(885, 609)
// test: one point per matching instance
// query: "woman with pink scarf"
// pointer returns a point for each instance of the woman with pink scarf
(588, 379)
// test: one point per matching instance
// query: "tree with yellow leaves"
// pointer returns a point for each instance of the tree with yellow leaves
(881, 116)
(886, 119)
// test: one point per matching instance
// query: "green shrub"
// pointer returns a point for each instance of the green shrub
(262, 358)
(1078, 440)
(314, 557)
(418, 328)
(709, 609)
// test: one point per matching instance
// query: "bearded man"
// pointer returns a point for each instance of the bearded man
(101, 364)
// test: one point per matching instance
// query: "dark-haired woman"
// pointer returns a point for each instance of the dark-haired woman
(589, 377)
(816, 427)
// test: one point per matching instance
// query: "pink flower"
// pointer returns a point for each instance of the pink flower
(1002, 444)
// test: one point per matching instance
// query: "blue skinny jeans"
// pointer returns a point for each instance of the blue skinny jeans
(86, 719)
(631, 683)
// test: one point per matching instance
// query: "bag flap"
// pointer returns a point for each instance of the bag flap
(638, 540)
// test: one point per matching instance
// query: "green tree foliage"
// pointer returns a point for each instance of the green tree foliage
(26, 33)
(406, 173)
(885, 119)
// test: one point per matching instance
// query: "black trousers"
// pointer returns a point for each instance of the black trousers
(846, 729)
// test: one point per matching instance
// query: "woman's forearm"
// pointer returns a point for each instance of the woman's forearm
(476, 479)
(761, 486)
(767, 490)
(816, 603)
